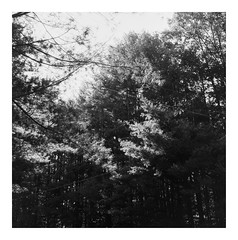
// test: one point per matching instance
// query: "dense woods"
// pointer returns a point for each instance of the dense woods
(144, 146)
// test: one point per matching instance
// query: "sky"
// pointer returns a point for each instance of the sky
(173, 5)
(108, 29)
(105, 29)
(113, 26)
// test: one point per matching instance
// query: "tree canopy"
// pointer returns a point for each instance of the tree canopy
(143, 146)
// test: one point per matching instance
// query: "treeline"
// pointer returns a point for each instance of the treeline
(143, 147)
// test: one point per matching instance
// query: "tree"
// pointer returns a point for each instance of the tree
(173, 118)
(143, 147)
(43, 154)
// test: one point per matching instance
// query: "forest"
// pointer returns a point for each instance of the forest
(143, 146)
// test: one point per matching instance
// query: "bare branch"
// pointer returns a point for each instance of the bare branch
(19, 14)
(29, 116)
(41, 62)
(43, 40)
(57, 82)
(54, 38)
(41, 125)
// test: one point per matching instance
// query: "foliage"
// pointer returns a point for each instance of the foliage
(144, 147)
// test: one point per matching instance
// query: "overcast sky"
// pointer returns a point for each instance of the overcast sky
(106, 29)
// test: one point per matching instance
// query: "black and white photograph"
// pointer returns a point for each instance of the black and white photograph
(118, 119)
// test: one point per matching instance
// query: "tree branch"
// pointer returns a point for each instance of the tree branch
(19, 14)
(29, 116)
(50, 85)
